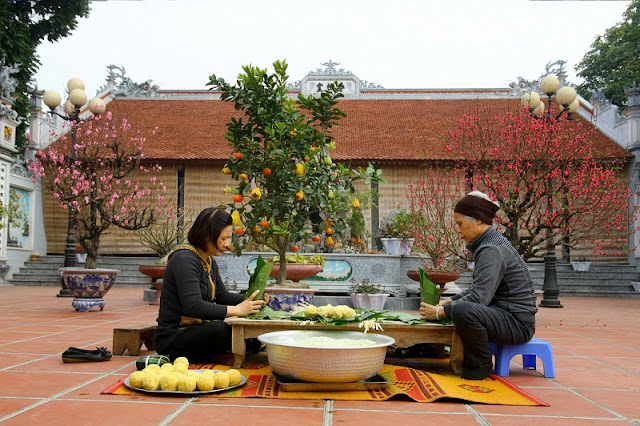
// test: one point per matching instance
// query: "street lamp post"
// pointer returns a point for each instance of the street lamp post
(568, 101)
(72, 108)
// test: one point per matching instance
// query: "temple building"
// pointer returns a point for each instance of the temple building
(397, 130)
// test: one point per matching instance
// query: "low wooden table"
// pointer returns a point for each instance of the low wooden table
(404, 334)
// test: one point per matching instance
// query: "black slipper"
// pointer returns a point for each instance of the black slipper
(84, 355)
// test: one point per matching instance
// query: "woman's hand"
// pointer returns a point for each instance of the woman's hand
(246, 307)
(430, 312)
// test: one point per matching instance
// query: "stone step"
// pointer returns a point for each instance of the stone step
(602, 280)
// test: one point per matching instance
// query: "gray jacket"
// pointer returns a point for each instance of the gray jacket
(501, 277)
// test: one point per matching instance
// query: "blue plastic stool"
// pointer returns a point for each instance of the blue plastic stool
(529, 351)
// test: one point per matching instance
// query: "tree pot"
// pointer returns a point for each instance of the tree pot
(440, 278)
(297, 271)
(88, 286)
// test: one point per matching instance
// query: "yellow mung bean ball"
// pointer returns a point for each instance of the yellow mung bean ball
(234, 377)
(180, 368)
(151, 382)
(205, 382)
(155, 368)
(221, 380)
(187, 384)
(181, 360)
(135, 379)
(167, 366)
(169, 382)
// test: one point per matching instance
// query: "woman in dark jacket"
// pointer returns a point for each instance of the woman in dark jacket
(194, 301)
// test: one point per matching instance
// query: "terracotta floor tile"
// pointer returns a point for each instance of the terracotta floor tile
(261, 402)
(624, 402)
(404, 418)
(108, 413)
(41, 384)
(54, 363)
(550, 421)
(561, 402)
(604, 378)
(8, 360)
(9, 405)
(247, 414)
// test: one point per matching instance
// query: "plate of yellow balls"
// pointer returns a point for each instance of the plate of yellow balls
(176, 378)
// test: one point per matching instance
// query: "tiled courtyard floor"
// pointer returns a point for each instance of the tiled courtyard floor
(596, 345)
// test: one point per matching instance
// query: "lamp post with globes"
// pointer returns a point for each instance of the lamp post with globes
(72, 109)
(569, 103)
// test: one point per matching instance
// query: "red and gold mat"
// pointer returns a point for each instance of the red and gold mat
(420, 386)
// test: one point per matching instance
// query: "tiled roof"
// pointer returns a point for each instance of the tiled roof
(382, 129)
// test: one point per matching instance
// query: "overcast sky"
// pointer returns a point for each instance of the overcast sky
(394, 43)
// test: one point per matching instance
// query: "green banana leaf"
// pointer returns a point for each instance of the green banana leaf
(428, 290)
(258, 280)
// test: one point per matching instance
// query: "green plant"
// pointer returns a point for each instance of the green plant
(167, 232)
(364, 287)
(398, 223)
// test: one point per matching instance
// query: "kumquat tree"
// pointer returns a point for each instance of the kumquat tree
(551, 179)
(107, 184)
(282, 161)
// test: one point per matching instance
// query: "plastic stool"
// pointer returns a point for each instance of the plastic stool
(529, 351)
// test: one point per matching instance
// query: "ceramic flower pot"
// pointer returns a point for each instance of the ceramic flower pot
(392, 245)
(154, 272)
(370, 301)
(581, 266)
(285, 298)
(88, 286)
(406, 245)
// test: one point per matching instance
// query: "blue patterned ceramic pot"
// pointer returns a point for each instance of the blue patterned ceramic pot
(88, 283)
(284, 299)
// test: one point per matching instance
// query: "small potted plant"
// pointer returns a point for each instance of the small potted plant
(162, 237)
(395, 232)
(581, 265)
(367, 295)
(81, 255)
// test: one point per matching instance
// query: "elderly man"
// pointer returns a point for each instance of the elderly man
(500, 305)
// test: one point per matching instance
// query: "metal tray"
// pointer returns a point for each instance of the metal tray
(376, 382)
(194, 393)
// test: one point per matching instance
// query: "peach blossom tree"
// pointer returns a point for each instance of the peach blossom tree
(550, 179)
(107, 184)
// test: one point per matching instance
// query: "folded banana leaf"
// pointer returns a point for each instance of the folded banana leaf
(258, 280)
(428, 290)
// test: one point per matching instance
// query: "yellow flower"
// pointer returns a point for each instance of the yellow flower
(300, 169)
(355, 203)
(300, 195)
(293, 133)
(256, 194)
(235, 218)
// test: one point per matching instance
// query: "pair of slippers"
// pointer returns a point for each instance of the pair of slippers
(84, 355)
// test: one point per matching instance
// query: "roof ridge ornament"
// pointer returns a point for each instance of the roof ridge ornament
(522, 86)
(126, 86)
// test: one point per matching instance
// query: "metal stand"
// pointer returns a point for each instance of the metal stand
(550, 285)
(70, 247)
